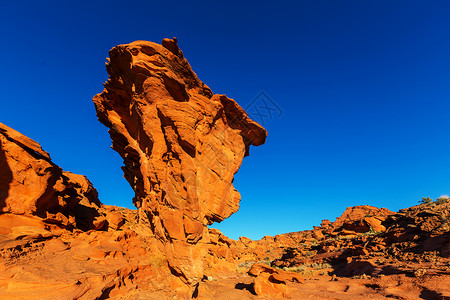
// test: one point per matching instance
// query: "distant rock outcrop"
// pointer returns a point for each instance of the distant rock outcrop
(362, 218)
(181, 145)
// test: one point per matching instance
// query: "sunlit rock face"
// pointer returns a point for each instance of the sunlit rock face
(181, 145)
(31, 184)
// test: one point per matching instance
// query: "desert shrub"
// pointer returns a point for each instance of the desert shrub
(266, 261)
(304, 268)
(318, 266)
(297, 269)
(370, 232)
(246, 264)
(442, 200)
(426, 200)
(157, 260)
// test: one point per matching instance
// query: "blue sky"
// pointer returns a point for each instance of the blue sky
(363, 86)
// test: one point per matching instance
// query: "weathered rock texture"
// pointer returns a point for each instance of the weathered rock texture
(180, 143)
(57, 241)
(31, 184)
(366, 253)
(121, 258)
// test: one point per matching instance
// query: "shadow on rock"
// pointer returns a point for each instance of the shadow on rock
(246, 286)
(6, 177)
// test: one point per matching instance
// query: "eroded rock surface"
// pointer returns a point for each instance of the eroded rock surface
(181, 145)
(57, 241)
(31, 184)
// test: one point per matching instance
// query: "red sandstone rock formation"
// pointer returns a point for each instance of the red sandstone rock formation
(31, 184)
(57, 241)
(180, 143)
(366, 253)
(272, 282)
(363, 218)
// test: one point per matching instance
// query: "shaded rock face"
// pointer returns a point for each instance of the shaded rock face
(31, 184)
(180, 143)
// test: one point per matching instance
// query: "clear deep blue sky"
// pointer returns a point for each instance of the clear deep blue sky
(364, 89)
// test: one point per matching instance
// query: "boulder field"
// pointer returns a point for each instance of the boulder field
(181, 145)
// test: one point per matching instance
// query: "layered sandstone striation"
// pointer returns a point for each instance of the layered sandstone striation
(181, 145)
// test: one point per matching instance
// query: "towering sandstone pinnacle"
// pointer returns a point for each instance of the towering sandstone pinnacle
(181, 145)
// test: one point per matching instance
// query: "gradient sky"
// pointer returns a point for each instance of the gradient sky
(362, 90)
